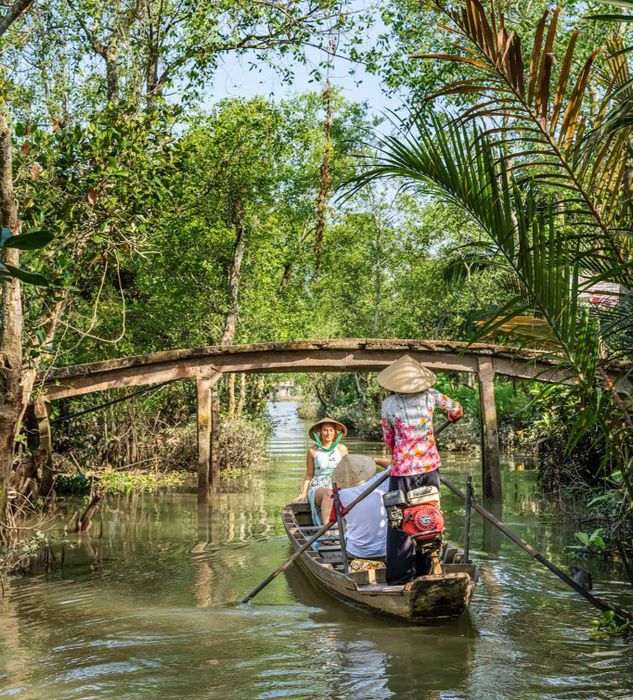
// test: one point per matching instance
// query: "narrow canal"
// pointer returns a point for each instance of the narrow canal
(140, 608)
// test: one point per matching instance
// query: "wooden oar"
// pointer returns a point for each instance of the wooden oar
(622, 615)
(322, 531)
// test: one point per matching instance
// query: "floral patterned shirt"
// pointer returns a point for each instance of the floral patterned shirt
(407, 426)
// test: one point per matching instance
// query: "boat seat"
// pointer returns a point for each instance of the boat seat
(371, 576)
(333, 558)
(449, 555)
(309, 531)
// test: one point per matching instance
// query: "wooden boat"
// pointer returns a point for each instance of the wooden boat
(425, 600)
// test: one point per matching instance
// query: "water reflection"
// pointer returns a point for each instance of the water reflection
(383, 657)
(139, 607)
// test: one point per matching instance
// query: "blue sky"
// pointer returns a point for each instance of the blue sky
(234, 79)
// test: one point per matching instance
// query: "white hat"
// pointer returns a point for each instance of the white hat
(406, 376)
(353, 470)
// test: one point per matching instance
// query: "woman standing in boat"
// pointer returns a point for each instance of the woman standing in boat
(407, 426)
(320, 462)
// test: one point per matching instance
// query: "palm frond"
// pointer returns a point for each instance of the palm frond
(459, 163)
(532, 95)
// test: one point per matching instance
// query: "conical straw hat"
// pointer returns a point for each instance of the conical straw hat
(337, 424)
(353, 470)
(406, 376)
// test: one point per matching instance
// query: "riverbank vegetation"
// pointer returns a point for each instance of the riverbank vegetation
(151, 216)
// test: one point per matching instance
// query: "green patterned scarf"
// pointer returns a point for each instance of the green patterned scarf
(332, 447)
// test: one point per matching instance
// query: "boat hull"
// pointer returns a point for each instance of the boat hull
(426, 600)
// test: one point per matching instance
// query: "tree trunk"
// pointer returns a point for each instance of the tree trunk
(230, 390)
(377, 274)
(111, 58)
(11, 403)
(18, 8)
(151, 76)
(242, 396)
(285, 278)
(16, 384)
(326, 178)
(235, 274)
(152, 33)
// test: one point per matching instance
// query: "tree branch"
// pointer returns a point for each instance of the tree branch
(17, 9)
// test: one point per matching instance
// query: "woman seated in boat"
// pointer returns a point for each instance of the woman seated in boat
(407, 425)
(321, 460)
(366, 523)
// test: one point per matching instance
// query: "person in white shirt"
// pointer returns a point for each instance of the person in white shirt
(366, 523)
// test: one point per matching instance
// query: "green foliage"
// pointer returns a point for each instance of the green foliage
(73, 485)
(26, 241)
(590, 543)
(608, 625)
(124, 481)
(18, 553)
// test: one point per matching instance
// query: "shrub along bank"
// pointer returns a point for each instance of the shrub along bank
(150, 435)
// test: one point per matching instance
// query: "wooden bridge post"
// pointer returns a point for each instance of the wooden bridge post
(45, 444)
(491, 474)
(215, 432)
(204, 392)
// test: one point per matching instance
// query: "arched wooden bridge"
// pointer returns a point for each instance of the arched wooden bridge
(208, 364)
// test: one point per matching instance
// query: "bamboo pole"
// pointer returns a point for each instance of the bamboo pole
(341, 532)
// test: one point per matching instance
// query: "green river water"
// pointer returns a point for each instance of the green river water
(140, 608)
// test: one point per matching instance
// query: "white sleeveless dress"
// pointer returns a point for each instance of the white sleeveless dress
(324, 463)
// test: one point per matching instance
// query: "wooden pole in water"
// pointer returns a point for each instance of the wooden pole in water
(491, 473)
(204, 389)
(45, 444)
(214, 475)
(469, 505)
(622, 615)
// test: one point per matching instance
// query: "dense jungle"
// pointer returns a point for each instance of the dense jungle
(430, 169)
